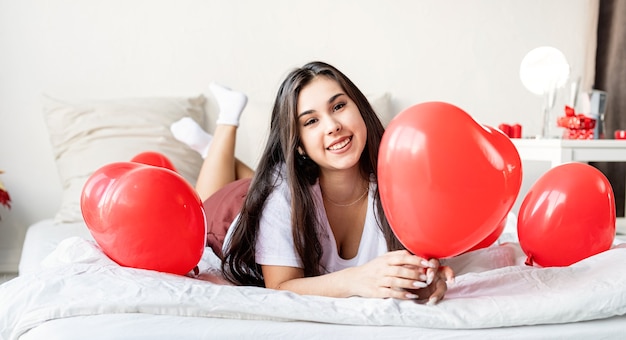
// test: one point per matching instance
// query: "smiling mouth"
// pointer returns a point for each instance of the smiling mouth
(340, 145)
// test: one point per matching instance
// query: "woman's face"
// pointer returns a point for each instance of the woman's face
(332, 131)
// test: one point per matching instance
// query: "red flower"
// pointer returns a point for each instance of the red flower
(5, 199)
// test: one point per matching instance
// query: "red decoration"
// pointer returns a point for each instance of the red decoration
(154, 158)
(567, 215)
(512, 131)
(491, 238)
(505, 128)
(446, 182)
(5, 199)
(577, 126)
(144, 216)
(516, 131)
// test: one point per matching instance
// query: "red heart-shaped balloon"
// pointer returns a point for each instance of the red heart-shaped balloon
(491, 238)
(567, 215)
(144, 216)
(446, 181)
(154, 158)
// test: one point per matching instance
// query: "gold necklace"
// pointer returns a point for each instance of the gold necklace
(348, 204)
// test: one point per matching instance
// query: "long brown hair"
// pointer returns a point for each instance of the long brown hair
(239, 265)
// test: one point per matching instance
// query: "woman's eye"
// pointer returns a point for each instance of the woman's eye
(338, 106)
(310, 121)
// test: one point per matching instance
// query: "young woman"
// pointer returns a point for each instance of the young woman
(312, 221)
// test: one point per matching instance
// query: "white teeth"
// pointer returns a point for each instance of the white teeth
(340, 145)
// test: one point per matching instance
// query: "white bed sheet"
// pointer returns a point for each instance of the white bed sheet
(494, 297)
(143, 326)
(42, 238)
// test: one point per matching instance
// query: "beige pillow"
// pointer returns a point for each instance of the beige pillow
(89, 134)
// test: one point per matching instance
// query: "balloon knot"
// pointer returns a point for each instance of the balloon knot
(529, 260)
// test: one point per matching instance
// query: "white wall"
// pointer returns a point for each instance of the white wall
(466, 52)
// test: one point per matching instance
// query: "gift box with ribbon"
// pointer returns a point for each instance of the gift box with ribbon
(577, 126)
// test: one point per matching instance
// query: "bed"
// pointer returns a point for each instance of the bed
(68, 288)
(75, 291)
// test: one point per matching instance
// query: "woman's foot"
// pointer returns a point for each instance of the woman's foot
(231, 104)
(189, 132)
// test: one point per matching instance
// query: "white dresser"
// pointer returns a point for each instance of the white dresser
(559, 151)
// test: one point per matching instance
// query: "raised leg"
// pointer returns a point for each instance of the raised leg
(220, 166)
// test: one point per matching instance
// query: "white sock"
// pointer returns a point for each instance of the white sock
(231, 104)
(189, 132)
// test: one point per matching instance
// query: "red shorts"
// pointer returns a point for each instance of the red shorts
(221, 208)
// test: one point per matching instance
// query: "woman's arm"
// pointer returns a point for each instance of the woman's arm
(397, 274)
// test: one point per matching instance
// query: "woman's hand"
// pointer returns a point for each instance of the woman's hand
(401, 275)
(438, 286)
(397, 274)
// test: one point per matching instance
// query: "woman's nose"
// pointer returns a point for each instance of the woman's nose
(333, 126)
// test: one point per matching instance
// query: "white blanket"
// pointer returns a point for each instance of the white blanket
(492, 289)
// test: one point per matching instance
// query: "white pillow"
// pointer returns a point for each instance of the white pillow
(89, 134)
(381, 103)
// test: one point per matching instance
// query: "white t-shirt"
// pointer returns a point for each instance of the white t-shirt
(275, 244)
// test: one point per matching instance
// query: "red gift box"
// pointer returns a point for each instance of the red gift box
(577, 126)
